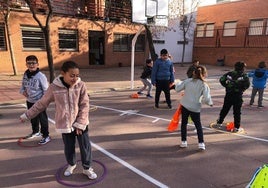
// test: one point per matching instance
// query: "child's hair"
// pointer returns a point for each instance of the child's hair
(262, 64)
(148, 61)
(31, 58)
(163, 52)
(240, 66)
(196, 61)
(200, 72)
(69, 65)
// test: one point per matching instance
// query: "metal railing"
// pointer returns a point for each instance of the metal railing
(240, 38)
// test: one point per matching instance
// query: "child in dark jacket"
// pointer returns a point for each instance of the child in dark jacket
(235, 83)
(146, 78)
(259, 78)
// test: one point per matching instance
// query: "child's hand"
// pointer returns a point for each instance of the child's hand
(23, 118)
(25, 94)
(78, 131)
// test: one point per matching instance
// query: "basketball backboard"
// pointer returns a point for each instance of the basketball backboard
(153, 11)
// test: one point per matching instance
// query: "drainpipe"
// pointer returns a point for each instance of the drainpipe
(133, 55)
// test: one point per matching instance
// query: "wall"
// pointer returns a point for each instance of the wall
(82, 56)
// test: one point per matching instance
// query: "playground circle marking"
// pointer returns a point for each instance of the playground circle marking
(100, 178)
(20, 143)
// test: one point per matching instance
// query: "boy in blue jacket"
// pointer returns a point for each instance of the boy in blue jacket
(259, 78)
(162, 76)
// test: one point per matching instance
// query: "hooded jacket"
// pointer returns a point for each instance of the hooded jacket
(259, 78)
(72, 105)
(35, 84)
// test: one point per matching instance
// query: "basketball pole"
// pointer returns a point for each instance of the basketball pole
(133, 55)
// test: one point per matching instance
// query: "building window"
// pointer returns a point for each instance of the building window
(122, 43)
(3, 45)
(68, 40)
(32, 38)
(200, 30)
(229, 29)
(159, 41)
(267, 27)
(209, 30)
(256, 27)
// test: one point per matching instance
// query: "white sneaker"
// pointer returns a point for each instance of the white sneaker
(201, 146)
(69, 170)
(90, 173)
(183, 144)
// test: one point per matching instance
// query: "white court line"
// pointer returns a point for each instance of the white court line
(168, 120)
(124, 163)
(132, 168)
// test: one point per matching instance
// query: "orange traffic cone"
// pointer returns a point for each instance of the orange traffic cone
(174, 123)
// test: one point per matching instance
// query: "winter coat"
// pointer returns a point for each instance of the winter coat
(259, 78)
(196, 91)
(162, 70)
(72, 105)
(235, 82)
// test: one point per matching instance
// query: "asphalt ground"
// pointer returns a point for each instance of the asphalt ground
(130, 143)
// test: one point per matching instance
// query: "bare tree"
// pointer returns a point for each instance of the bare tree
(184, 11)
(46, 30)
(5, 11)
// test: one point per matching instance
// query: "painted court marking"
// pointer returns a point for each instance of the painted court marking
(155, 119)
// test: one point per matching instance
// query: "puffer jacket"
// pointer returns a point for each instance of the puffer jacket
(259, 78)
(72, 105)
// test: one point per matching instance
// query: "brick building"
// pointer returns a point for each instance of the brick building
(94, 33)
(232, 31)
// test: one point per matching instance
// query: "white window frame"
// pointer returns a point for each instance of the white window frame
(210, 30)
(68, 39)
(33, 38)
(229, 29)
(256, 27)
(200, 30)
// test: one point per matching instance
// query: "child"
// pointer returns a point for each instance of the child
(260, 76)
(235, 83)
(34, 84)
(72, 107)
(145, 78)
(163, 77)
(192, 68)
(196, 90)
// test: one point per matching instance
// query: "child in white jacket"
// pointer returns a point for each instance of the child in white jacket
(196, 91)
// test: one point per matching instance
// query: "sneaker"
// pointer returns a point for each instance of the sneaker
(44, 140)
(149, 96)
(183, 144)
(90, 173)
(140, 93)
(201, 146)
(156, 106)
(260, 106)
(32, 135)
(169, 106)
(69, 170)
(236, 130)
(218, 124)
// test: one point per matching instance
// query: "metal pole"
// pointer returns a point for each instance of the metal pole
(133, 55)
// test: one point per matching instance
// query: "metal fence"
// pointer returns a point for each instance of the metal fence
(240, 39)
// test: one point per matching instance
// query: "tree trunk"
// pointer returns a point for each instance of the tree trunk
(154, 56)
(10, 46)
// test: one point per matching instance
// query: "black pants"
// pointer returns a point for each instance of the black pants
(195, 116)
(40, 118)
(235, 100)
(69, 140)
(162, 85)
